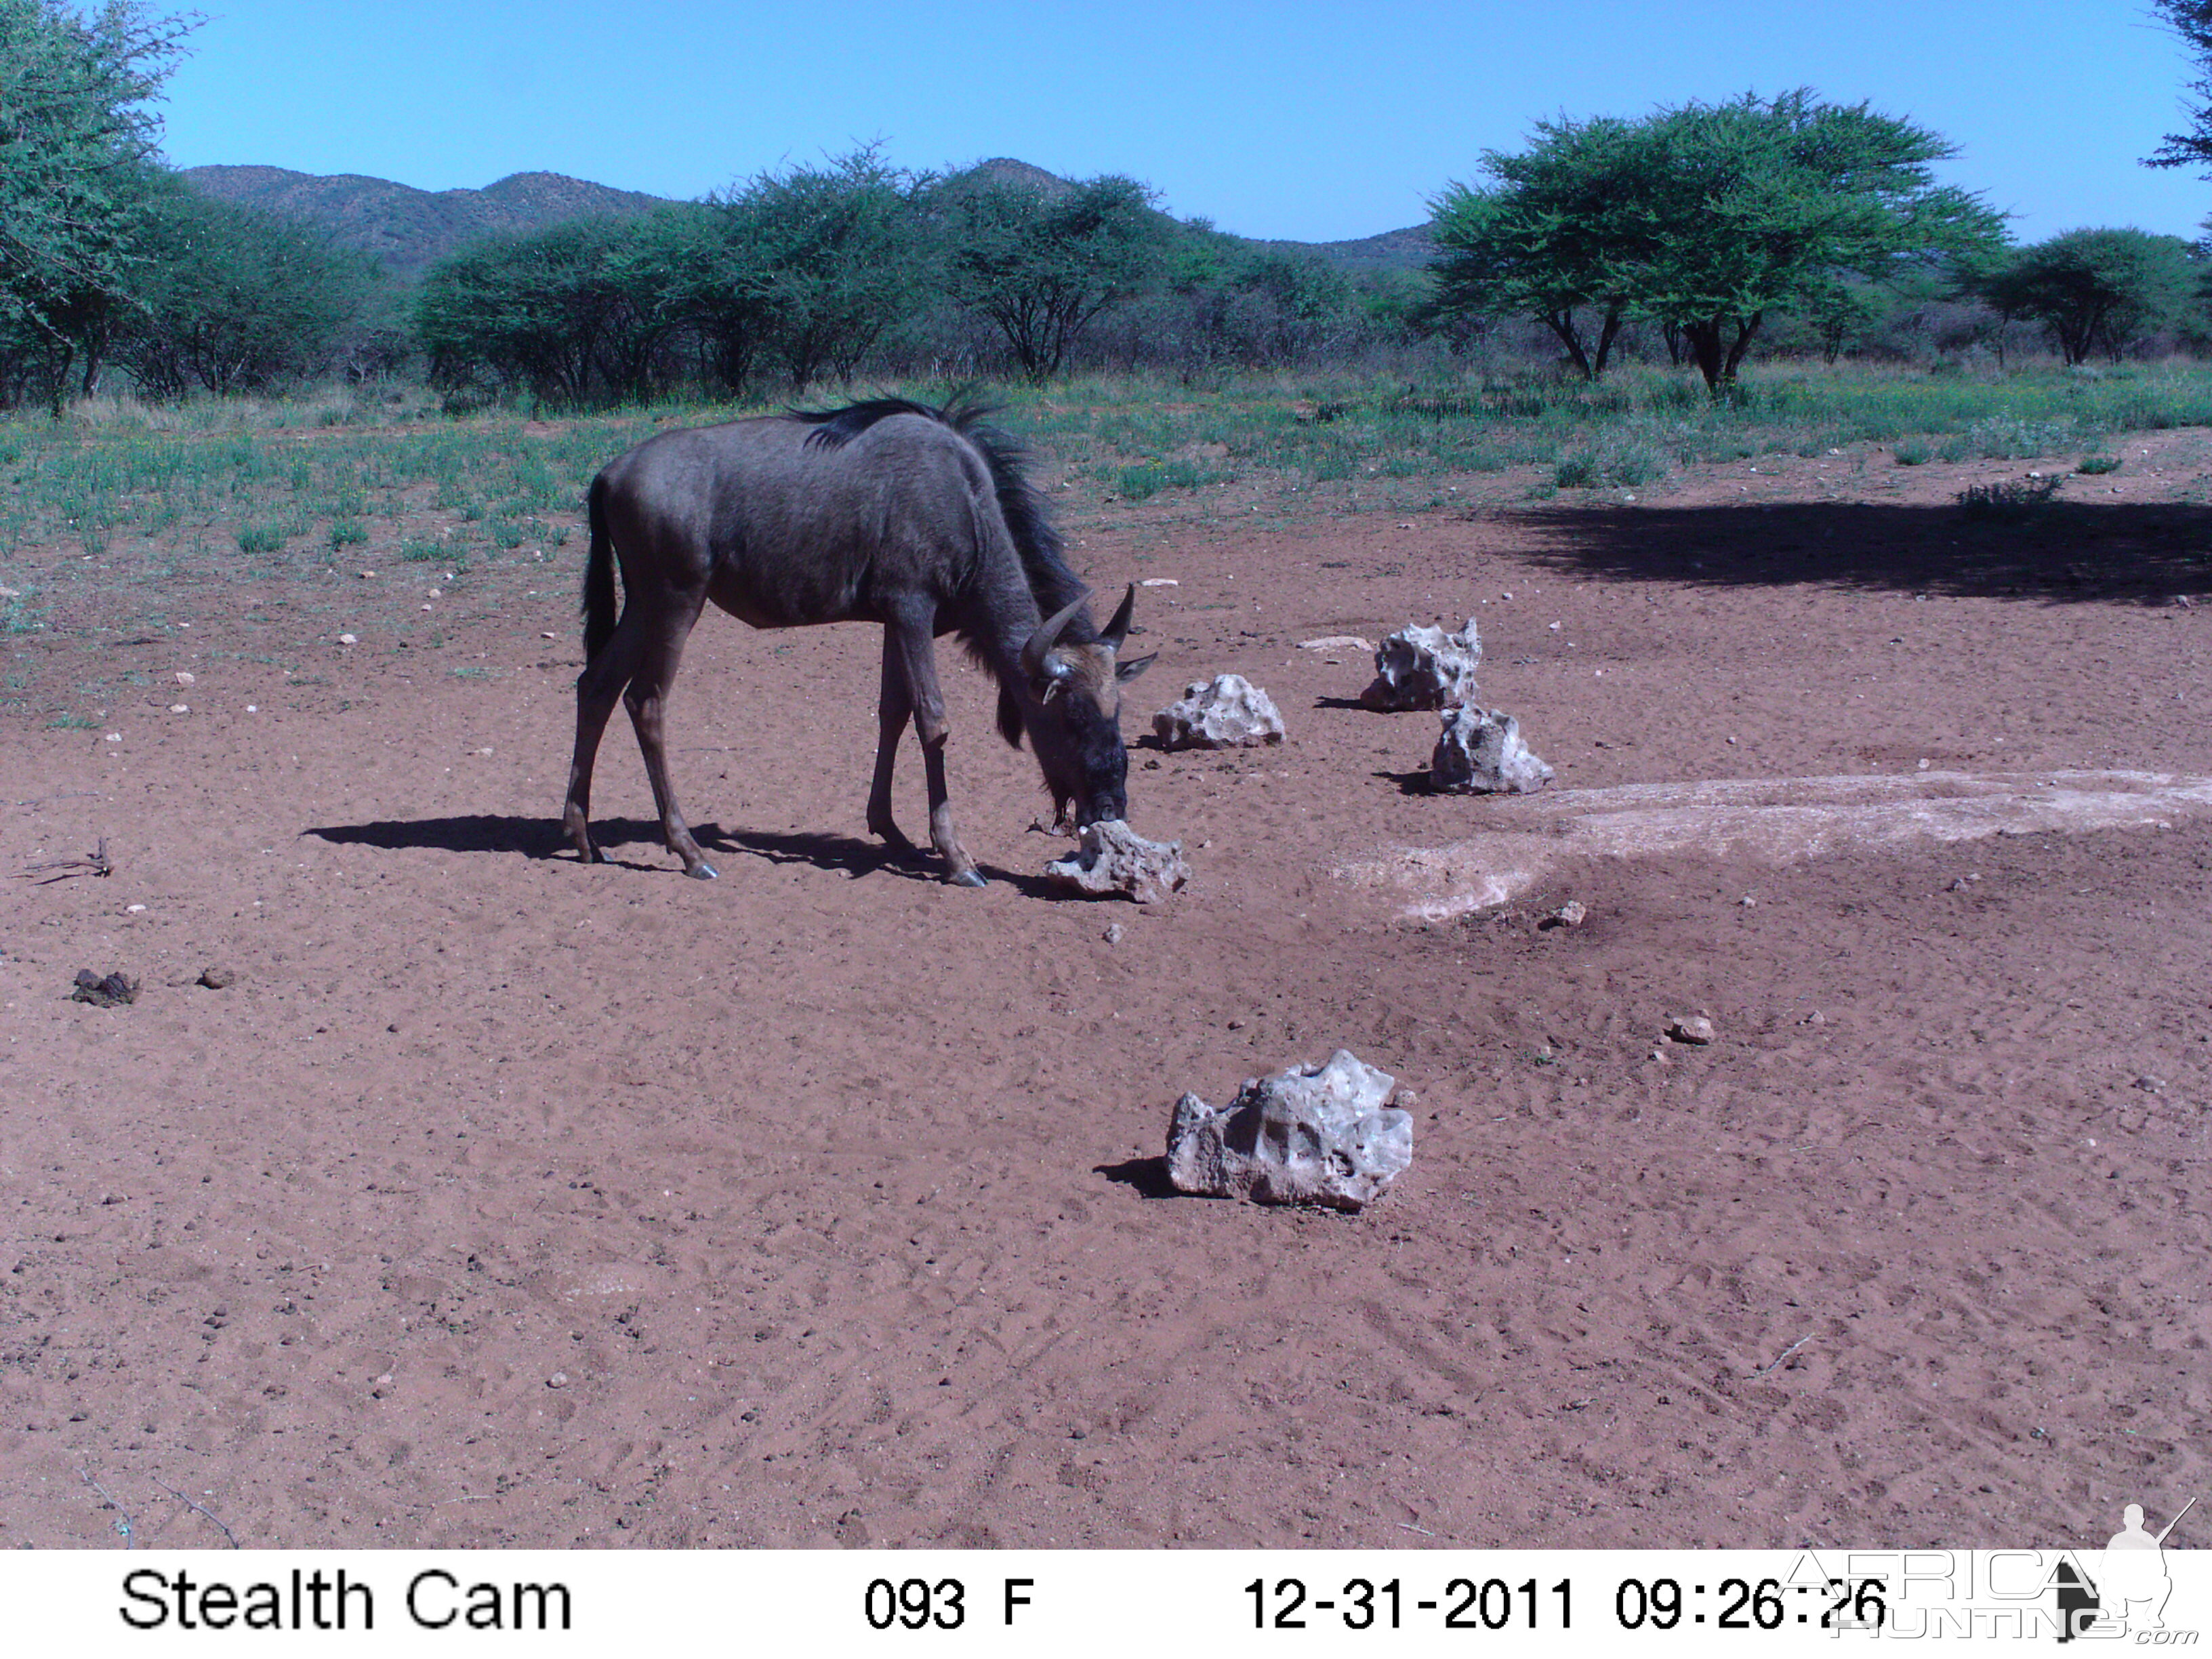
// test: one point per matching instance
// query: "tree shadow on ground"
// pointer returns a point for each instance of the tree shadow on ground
(2055, 551)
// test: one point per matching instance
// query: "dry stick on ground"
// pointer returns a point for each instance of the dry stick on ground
(201, 1508)
(127, 1527)
(1784, 1355)
(89, 863)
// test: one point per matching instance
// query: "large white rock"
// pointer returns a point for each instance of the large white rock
(1424, 668)
(1316, 1135)
(1479, 752)
(1115, 858)
(1227, 712)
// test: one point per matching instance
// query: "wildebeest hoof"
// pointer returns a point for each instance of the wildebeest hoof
(968, 878)
(702, 872)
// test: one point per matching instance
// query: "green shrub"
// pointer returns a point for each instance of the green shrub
(347, 532)
(260, 538)
(2096, 466)
(2009, 502)
(1624, 459)
(424, 551)
(1915, 452)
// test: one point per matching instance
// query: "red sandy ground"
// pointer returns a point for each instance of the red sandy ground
(506, 1201)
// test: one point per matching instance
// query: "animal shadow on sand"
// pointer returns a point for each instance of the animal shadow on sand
(2056, 551)
(541, 838)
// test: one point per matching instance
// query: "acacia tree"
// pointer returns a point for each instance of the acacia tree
(1707, 217)
(1745, 207)
(232, 298)
(2095, 290)
(835, 255)
(2192, 20)
(1040, 263)
(569, 313)
(1541, 239)
(76, 142)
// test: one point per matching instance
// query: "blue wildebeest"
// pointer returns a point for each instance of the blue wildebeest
(887, 511)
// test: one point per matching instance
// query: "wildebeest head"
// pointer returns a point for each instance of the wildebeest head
(1072, 706)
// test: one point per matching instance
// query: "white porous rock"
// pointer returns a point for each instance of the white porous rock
(1227, 712)
(1424, 668)
(1314, 1135)
(1479, 752)
(1115, 858)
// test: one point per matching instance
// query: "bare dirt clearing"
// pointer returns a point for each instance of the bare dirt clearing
(506, 1201)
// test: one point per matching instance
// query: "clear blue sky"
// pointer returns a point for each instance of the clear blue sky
(1307, 121)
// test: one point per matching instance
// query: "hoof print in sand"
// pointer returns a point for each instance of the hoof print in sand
(1227, 712)
(1424, 668)
(1115, 858)
(1479, 752)
(1316, 1135)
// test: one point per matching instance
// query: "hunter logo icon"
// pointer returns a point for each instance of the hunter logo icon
(2132, 1584)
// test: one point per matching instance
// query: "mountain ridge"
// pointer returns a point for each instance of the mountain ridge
(410, 229)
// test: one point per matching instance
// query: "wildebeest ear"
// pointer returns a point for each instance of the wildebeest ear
(1118, 630)
(1125, 672)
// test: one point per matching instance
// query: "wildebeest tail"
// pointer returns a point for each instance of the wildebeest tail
(598, 576)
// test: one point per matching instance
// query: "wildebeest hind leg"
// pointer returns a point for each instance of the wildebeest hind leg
(893, 710)
(660, 651)
(597, 689)
(909, 638)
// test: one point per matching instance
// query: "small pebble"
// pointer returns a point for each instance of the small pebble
(180, 708)
(1749, 903)
(1113, 933)
(184, 677)
(134, 910)
(1572, 913)
(2151, 1086)
(348, 639)
(558, 1380)
(1691, 1028)
(1816, 1017)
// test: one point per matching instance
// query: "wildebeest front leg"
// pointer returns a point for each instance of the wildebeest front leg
(908, 637)
(893, 710)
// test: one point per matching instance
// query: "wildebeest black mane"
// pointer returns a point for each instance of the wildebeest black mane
(1042, 549)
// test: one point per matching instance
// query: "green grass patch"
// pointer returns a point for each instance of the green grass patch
(260, 538)
(347, 532)
(2096, 466)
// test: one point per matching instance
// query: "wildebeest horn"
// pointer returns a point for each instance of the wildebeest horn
(1047, 636)
(1118, 630)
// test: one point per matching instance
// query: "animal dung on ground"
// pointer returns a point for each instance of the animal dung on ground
(104, 993)
(1227, 712)
(1312, 1134)
(1421, 667)
(1115, 858)
(1479, 752)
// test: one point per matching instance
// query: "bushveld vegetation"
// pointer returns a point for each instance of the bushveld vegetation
(1716, 236)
